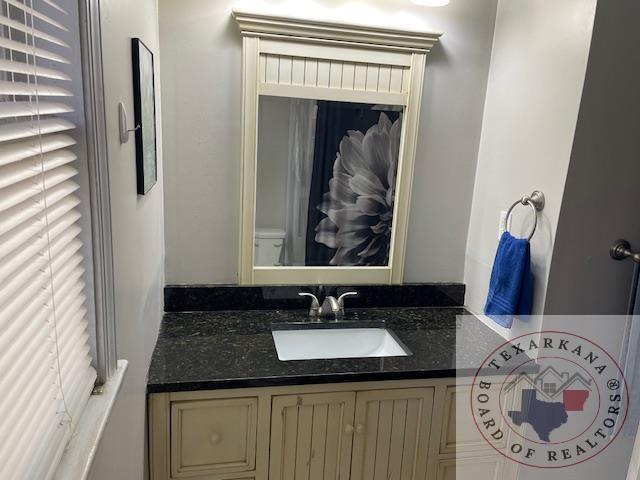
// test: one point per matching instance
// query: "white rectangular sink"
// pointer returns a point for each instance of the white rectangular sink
(326, 343)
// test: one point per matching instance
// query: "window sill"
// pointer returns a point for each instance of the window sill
(80, 452)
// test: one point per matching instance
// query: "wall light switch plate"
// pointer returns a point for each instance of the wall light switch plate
(501, 224)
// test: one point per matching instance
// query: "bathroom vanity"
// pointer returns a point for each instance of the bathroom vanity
(222, 406)
(330, 117)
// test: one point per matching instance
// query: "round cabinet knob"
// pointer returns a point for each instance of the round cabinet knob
(348, 428)
(359, 428)
(214, 438)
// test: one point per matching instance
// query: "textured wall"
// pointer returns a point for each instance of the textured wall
(138, 242)
(537, 71)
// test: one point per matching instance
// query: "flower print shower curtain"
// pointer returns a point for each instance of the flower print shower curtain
(353, 184)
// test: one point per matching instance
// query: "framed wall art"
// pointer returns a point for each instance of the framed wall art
(145, 116)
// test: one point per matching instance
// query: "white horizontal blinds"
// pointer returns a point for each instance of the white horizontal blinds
(46, 374)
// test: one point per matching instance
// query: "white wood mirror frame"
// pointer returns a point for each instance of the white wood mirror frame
(298, 58)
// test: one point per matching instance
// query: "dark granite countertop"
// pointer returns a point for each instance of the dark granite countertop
(230, 349)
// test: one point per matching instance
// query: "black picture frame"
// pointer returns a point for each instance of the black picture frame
(144, 107)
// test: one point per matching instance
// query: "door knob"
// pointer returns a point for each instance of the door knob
(348, 428)
(214, 438)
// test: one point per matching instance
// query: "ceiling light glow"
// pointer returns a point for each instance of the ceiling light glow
(431, 3)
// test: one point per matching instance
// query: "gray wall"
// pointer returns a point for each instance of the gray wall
(200, 53)
(601, 195)
(538, 64)
(138, 243)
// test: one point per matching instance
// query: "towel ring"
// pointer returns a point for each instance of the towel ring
(535, 201)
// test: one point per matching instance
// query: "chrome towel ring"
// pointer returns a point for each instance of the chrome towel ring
(535, 201)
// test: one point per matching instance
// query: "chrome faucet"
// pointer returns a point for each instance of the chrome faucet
(330, 308)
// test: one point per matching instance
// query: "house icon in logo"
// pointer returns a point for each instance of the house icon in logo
(546, 399)
(550, 384)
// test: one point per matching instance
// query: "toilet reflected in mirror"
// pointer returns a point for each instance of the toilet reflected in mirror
(270, 247)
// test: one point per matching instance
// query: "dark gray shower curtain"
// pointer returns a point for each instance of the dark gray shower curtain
(334, 121)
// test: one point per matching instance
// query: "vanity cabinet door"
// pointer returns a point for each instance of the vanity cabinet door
(311, 436)
(392, 434)
(213, 437)
(459, 432)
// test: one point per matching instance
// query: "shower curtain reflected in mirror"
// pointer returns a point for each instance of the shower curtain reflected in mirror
(353, 184)
(302, 131)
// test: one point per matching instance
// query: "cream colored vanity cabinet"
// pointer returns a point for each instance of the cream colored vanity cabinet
(322, 436)
(394, 430)
(461, 451)
(311, 436)
(392, 434)
(209, 435)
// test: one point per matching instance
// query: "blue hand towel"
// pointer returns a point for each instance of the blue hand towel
(511, 285)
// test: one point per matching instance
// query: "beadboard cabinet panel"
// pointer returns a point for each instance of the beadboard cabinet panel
(392, 428)
(311, 436)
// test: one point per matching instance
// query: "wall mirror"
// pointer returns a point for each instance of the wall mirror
(330, 116)
(326, 182)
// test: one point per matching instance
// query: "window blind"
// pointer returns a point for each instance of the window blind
(45, 361)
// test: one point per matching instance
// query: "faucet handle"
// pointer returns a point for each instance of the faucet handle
(341, 298)
(314, 310)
